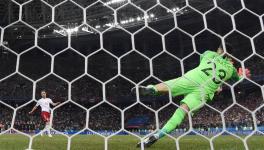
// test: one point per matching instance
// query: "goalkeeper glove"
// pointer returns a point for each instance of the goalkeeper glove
(247, 72)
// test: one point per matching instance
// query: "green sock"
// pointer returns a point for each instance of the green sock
(174, 122)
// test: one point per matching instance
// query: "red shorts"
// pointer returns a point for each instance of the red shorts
(45, 116)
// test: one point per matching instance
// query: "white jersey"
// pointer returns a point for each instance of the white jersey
(44, 103)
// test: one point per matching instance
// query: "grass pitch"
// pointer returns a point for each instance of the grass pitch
(125, 142)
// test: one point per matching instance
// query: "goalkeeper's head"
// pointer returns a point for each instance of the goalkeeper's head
(43, 94)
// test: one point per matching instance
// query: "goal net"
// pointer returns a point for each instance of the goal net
(89, 54)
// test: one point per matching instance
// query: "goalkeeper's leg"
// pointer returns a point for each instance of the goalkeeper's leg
(178, 86)
(173, 123)
(192, 101)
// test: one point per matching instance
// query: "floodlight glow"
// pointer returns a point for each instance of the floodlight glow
(114, 2)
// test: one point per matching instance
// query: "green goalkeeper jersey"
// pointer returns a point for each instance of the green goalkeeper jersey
(213, 69)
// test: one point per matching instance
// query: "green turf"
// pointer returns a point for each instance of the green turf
(85, 142)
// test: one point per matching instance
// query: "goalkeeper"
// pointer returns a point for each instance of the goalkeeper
(198, 87)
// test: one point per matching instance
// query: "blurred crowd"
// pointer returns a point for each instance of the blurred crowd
(71, 117)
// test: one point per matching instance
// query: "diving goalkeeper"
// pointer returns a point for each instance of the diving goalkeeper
(198, 87)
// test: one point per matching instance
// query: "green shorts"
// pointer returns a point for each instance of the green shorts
(194, 95)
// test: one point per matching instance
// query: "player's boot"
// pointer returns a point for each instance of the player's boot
(49, 135)
(148, 141)
(145, 91)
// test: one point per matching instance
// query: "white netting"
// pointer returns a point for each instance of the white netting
(136, 21)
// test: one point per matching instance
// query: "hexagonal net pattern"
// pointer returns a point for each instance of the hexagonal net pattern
(88, 55)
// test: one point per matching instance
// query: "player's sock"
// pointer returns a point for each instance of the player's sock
(174, 122)
(47, 127)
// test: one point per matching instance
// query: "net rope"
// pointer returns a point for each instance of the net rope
(117, 25)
